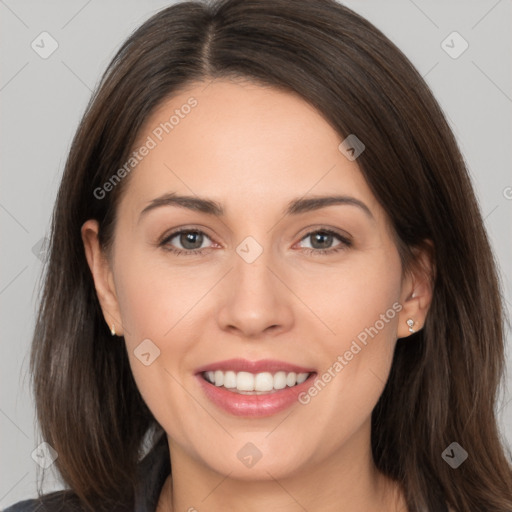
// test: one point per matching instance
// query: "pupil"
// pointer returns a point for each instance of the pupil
(188, 238)
(326, 238)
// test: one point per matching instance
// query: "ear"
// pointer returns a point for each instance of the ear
(102, 275)
(417, 290)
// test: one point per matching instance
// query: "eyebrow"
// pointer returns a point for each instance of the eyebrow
(294, 207)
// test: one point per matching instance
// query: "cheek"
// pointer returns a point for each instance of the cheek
(146, 306)
(152, 296)
(360, 305)
(156, 303)
(152, 307)
(360, 300)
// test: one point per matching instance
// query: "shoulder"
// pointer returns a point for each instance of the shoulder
(25, 506)
(58, 501)
(152, 471)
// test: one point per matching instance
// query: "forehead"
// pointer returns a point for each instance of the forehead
(241, 143)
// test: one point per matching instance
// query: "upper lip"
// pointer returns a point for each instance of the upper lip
(263, 365)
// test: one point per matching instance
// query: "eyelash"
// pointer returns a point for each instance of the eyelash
(345, 243)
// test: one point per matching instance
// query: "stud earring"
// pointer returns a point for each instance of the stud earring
(410, 323)
(113, 330)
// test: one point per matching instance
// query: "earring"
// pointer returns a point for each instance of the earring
(113, 330)
(410, 323)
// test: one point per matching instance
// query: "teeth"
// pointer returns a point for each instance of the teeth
(301, 377)
(218, 378)
(246, 382)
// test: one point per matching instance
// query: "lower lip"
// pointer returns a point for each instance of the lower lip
(254, 405)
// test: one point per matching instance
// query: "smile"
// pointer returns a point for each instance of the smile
(254, 388)
(249, 383)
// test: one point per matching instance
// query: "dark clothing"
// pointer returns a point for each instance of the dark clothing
(152, 470)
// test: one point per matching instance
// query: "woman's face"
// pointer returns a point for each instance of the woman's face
(252, 284)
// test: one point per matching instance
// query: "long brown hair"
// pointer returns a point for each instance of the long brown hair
(443, 382)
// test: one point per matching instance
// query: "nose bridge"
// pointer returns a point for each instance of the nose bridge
(253, 256)
(254, 283)
(257, 299)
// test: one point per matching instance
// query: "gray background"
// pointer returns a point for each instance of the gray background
(42, 101)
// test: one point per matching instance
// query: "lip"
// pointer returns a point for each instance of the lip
(263, 365)
(254, 406)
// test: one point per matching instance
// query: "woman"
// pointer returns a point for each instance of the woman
(269, 272)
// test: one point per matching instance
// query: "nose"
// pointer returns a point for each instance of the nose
(255, 300)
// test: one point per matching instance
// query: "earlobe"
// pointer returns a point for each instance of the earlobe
(102, 276)
(417, 291)
(412, 316)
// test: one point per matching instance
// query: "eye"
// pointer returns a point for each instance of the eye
(322, 240)
(191, 241)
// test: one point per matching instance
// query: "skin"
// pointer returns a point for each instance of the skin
(253, 149)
